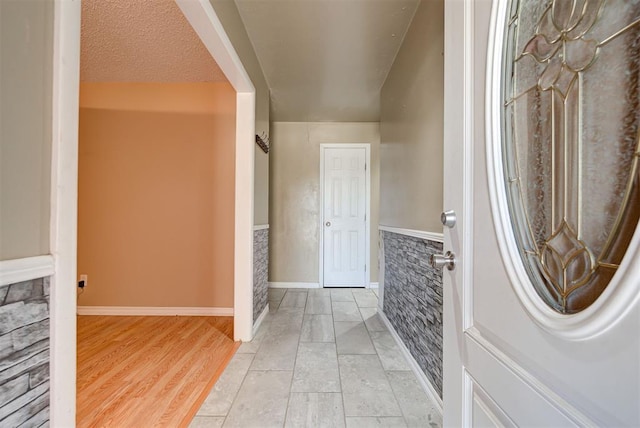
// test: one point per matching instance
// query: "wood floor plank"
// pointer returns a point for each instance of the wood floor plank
(148, 371)
(122, 355)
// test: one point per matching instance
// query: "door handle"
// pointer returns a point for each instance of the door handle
(328, 224)
(448, 218)
(439, 261)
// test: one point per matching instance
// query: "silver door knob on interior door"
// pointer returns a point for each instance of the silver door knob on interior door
(328, 224)
(438, 261)
(448, 218)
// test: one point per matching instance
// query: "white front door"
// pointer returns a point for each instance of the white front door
(510, 359)
(344, 216)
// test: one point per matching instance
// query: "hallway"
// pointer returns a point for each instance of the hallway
(322, 357)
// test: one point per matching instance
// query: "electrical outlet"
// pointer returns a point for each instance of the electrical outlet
(84, 279)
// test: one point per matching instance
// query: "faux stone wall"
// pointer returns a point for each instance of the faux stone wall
(24, 354)
(260, 271)
(413, 300)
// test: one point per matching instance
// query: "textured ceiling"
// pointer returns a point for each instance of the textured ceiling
(142, 41)
(326, 60)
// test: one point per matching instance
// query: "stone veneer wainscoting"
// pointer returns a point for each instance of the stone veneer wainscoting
(260, 271)
(24, 353)
(413, 299)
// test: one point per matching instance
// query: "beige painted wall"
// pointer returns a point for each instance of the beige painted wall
(26, 85)
(411, 126)
(295, 195)
(156, 194)
(234, 27)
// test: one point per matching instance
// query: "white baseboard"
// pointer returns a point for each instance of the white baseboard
(154, 311)
(261, 317)
(260, 227)
(294, 285)
(314, 285)
(18, 270)
(422, 378)
(421, 234)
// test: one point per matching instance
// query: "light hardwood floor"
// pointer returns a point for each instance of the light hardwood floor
(148, 371)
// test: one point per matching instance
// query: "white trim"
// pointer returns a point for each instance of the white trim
(623, 291)
(367, 244)
(243, 251)
(294, 285)
(208, 27)
(260, 227)
(381, 271)
(374, 285)
(155, 311)
(206, 24)
(422, 378)
(261, 317)
(421, 234)
(364, 287)
(64, 212)
(468, 156)
(18, 270)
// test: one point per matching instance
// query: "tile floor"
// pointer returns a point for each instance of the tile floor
(322, 358)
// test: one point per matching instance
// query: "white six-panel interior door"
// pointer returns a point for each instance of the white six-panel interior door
(344, 231)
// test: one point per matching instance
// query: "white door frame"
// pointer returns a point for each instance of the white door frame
(64, 193)
(208, 27)
(457, 285)
(64, 213)
(367, 225)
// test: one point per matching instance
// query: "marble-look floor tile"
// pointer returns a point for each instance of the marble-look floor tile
(219, 400)
(286, 320)
(373, 422)
(324, 292)
(365, 388)
(296, 351)
(375, 291)
(352, 338)
(346, 311)
(207, 422)
(253, 346)
(294, 299)
(342, 295)
(277, 293)
(365, 298)
(277, 352)
(316, 368)
(317, 328)
(372, 319)
(261, 401)
(388, 350)
(317, 410)
(418, 409)
(273, 306)
(318, 305)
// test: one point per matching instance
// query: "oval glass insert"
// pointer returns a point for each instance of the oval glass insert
(571, 91)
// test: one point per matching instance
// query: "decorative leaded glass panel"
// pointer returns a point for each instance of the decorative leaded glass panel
(571, 89)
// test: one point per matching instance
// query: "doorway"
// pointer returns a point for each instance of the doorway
(156, 194)
(345, 213)
(64, 194)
